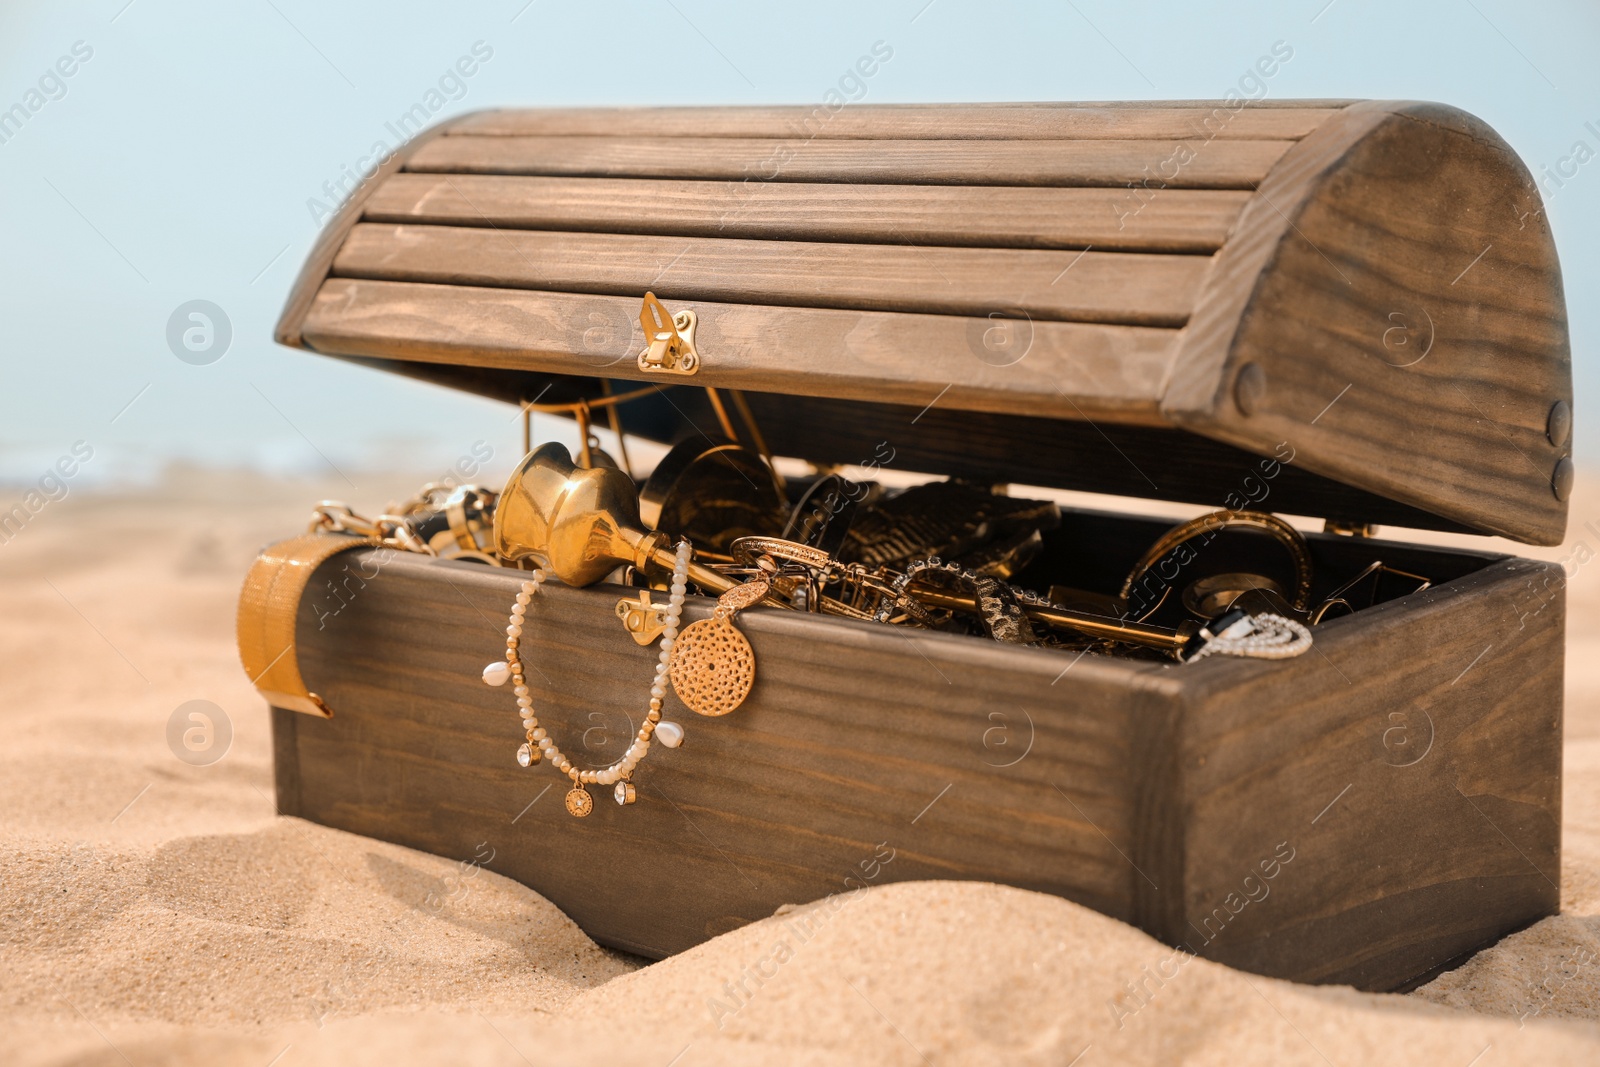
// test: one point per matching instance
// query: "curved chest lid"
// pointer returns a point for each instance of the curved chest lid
(1346, 310)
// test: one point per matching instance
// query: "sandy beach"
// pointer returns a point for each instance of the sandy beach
(160, 912)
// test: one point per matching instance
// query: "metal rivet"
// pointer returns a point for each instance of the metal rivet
(1561, 478)
(1249, 388)
(1559, 425)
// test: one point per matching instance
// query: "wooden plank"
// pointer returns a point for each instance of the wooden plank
(285, 768)
(1135, 289)
(1065, 370)
(1197, 119)
(1194, 164)
(1445, 342)
(846, 742)
(1413, 767)
(315, 268)
(1161, 220)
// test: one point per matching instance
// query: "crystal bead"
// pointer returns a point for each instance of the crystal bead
(624, 793)
(525, 755)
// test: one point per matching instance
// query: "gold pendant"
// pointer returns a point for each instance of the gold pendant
(713, 665)
(579, 802)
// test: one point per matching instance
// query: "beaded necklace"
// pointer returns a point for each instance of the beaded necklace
(540, 746)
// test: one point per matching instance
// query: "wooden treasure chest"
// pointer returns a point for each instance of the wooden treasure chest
(1345, 311)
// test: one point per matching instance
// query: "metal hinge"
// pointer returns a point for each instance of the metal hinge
(671, 348)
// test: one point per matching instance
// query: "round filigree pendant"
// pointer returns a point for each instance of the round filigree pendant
(713, 667)
(579, 802)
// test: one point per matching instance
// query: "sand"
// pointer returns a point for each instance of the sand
(157, 912)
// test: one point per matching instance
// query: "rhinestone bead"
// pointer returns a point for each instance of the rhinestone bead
(525, 755)
(624, 793)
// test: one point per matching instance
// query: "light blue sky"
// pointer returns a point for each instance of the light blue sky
(178, 163)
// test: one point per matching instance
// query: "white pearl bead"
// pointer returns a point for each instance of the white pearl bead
(513, 630)
(540, 734)
(496, 673)
(669, 733)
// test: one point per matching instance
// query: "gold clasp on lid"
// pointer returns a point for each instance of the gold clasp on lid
(671, 348)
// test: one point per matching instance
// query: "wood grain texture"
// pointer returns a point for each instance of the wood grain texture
(1414, 767)
(1411, 331)
(1149, 793)
(1121, 288)
(1158, 220)
(1384, 231)
(1110, 372)
(854, 735)
(1215, 164)
(315, 269)
(1183, 120)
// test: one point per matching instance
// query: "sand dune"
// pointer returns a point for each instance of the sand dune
(156, 912)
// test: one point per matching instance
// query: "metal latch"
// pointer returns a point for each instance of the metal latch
(643, 620)
(671, 348)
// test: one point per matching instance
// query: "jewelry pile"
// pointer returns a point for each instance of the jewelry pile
(943, 556)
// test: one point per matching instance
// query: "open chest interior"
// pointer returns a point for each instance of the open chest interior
(1094, 550)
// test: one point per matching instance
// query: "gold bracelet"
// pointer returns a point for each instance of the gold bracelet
(268, 607)
(1217, 521)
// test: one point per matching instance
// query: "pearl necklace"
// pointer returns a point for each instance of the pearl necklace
(539, 744)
